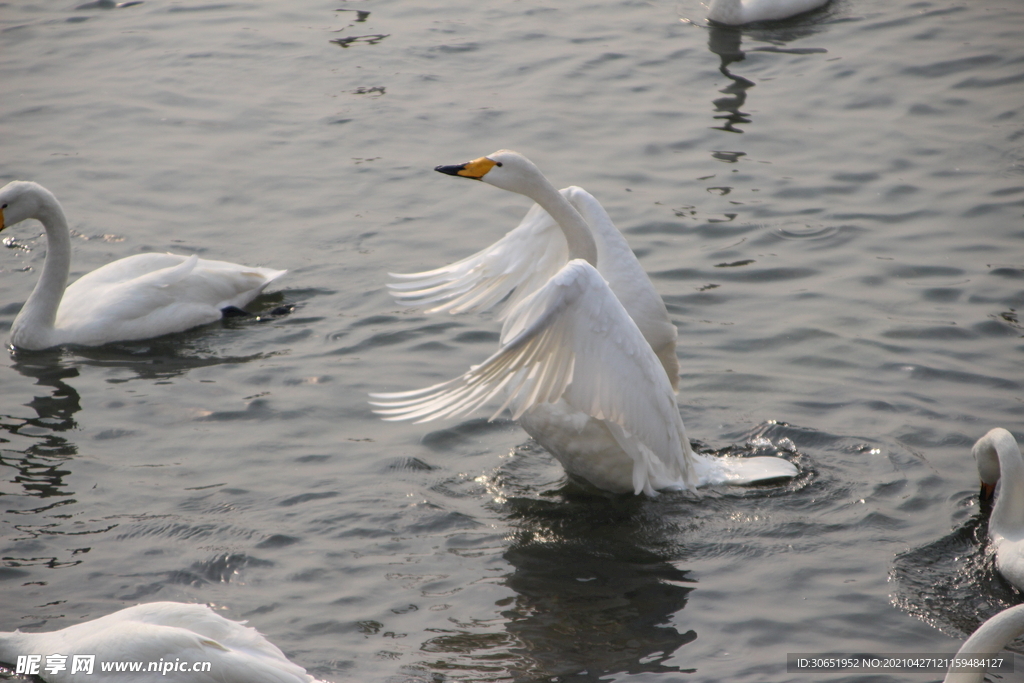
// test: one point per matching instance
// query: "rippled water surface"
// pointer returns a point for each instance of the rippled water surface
(831, 207)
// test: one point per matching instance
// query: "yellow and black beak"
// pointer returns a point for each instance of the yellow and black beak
(988, 491)
(2, 223)
(475, 169)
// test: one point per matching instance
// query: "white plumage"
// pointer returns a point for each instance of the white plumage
(988, 639)
(160, 632)
(737, 12)
(138, 297)
(587, 354)
(998, 458)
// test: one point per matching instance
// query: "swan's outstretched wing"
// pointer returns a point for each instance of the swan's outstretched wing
(523, 260)
(520, 263)
(573, 340)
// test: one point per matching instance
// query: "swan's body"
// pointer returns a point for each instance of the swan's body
(587, 358)
(138, 297)
(990, 638)
(160, 632)
(999, 459)
(737, 12)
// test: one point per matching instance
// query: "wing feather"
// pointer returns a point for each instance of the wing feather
(517, 264)
(573, 340)
(524, 260)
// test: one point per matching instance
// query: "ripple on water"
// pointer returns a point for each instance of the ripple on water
(465, 433)
(221, 568)
(797, 230)
(469, 554)
(928, 373)
(392, 338)
(952, 583)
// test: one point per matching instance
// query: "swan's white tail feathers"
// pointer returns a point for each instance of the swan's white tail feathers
(269, 274)
(743, 471)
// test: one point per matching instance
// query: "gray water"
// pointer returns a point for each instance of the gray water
(830, 206)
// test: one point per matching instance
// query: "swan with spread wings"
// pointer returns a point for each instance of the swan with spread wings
(587, 359)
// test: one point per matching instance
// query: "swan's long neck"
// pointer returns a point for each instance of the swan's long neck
(991, 637)
(577, 231)
(1008, 512)
(39, 312)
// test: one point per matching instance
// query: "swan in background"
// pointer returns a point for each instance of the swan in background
(163, 632)
(990, 638)
(587, 358)
(138, 297)
(998, 458)
(736, 12)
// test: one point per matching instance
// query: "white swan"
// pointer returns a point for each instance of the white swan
(988, 639)
(138, 297)
(164, 633)
(998, 458)
(587, 359)
(737, 12)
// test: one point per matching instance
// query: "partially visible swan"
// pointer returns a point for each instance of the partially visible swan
(165, 633)
(998, 458)
(736, 12)
(587, 358)
(138, 297)
(989, 638)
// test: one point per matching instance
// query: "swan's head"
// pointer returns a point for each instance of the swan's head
(505, 169)
(21, 200)
(987, 452)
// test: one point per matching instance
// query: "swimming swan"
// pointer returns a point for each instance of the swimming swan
(587, 357)
(165, 633)
(998, 458)
(736, 12)
(138, 297)
(990, 638)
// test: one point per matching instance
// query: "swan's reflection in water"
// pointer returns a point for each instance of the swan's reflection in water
(596, 591)
(726, 42)
(36, 448)
(35, 454)
(598, 583)
(157, 360)
(38, 443)
(55, 411)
